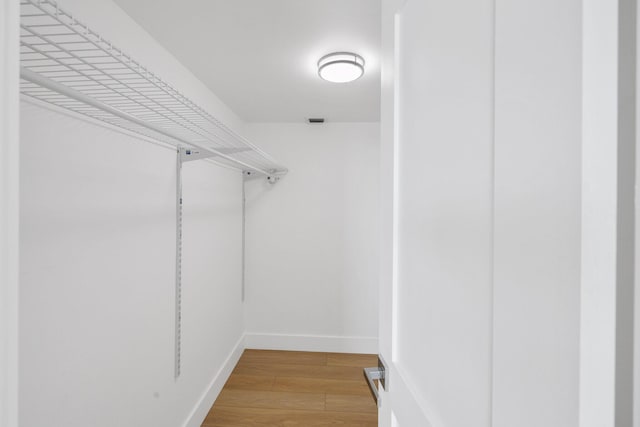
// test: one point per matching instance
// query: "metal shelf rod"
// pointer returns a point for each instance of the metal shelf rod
(38, 79)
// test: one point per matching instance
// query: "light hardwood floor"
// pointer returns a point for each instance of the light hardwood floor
(290, 388)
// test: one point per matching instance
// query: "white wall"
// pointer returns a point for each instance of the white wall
(9, 33)
(97, 276)
(312, 239)
(98, 259)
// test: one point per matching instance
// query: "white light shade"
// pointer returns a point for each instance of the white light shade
(341, 67)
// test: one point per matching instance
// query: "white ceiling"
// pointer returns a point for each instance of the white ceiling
(259, 56)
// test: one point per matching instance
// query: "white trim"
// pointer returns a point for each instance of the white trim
(201, 409)
(325, 343)
(599, 189)
(9, 208)
(608, 141)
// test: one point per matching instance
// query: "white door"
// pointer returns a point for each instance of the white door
(435, 329)
(480, 274)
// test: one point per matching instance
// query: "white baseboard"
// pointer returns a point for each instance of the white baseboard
(324, 343)
(200, 411)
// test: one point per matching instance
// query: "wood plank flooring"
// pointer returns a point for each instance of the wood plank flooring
(291, 388)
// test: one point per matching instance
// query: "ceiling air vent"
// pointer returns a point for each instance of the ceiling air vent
(315, 120)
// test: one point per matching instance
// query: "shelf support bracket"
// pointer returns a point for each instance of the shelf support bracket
(190, 154)
(178, 278)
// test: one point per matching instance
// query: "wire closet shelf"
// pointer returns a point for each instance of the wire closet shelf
(64, 63)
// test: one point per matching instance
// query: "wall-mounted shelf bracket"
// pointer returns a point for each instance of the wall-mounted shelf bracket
(178, 279)
(272, 179)
(189, 154)
(273, 176)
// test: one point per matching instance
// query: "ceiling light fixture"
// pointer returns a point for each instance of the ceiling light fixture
(341, 67)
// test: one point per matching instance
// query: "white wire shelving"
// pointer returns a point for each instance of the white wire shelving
(65, 63)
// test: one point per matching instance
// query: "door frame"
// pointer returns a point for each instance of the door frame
(9, 208)
(403, 395)
(608, 211)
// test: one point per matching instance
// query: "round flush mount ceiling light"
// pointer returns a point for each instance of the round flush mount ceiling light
(341, 67)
